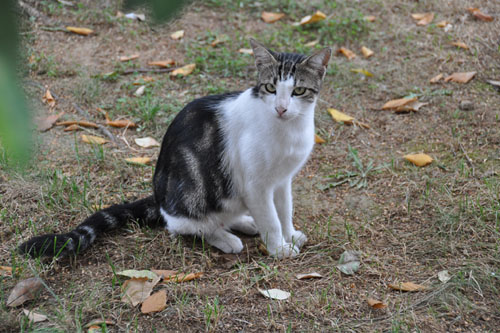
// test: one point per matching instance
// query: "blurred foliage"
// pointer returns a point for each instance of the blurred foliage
(162, 10)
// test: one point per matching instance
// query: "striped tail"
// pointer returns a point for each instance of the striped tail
(74, 242)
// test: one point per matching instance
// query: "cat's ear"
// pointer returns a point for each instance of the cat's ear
(263, 57)
(318, 60)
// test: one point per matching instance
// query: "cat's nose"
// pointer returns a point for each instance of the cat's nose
(280, 110)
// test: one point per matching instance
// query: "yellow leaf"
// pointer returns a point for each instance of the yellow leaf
(130, 57)
(270, 17)
(367, 53)
(396, 103)
(155, 303)
(423, 18)
(47, 98)
(347, 53)
(362, 71)
(184, 70)
(138, 160)
(245, 51)
(318, 139)
(162, 63)
(177, 35)
(80, 31)
(461, 45)
(407, 286)
(93, 139)
(436, 78)
(460, 77)
(340, 117)
(419, 159)
(316, 17)
(376, 304)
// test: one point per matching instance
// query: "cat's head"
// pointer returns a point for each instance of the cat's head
(289, 82)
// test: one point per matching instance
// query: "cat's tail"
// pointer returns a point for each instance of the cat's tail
(145, 211)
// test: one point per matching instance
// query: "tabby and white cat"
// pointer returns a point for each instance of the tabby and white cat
(226, 164)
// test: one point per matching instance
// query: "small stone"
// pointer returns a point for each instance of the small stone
(466, 105)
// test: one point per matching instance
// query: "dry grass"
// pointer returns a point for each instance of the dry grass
(409, 223)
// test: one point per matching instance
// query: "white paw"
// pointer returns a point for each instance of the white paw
(297, 238)
(286, 250)
(228, 244)
(245, 224)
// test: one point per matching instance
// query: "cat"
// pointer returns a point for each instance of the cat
(226, 164)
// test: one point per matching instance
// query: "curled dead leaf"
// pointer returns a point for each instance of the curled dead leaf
(138, 160)
(80, 31)
(347, 53)
(367, 53)
(82, 123)
(162, 63)
(407, 286)
(136, 290)
(349, 262)
(316, 17)
(34, 317)
(146, 142)
(184, 70)
(49, 99)
(91, 139)
(442, 24)
(423, 18)
(312, 275)
(140, 91)
(182, 277)
(24, 291)
(480, 15)
(275, 293)
(5, 271)
(245, 51)
(312, 43)
(436, 78)
(121, 123)
(133, 273)
(412, 106)
(130, 57)
(396, 103)
(340, 117)
(376, 304)
(461, 45)
(177, 35)
(419, 159)
(155, 303)
(318, 139)
(460, 77)
(270, 17)
(72, 128)
(219, 40)
(164, 273)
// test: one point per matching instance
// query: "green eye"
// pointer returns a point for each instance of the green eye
(299, 91)
(270, 88)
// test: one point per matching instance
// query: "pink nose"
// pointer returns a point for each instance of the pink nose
(280, 110)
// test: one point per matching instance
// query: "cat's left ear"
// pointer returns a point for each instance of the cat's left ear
(318, 60)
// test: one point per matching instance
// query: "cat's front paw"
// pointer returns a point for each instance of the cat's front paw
(298, 238)
(286, 250)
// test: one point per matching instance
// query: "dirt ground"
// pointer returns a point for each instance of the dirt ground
(408, 222)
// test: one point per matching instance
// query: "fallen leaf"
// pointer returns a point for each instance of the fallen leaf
(140, 91)
(436, 78)
(495, 84)
(24, 291)
(5, 271)
(133, 273)
(177, 35)
(162, 63)
(480, 15)
(121, 123)
(138, 160)
(362, 71)
(245, 51)
(423, 18)
(130, 57)
(419, 159)
(460, 77)
(412, 106)
(219, 40)
(396, 103)
(349, 262)
(312, 275)
(99, 322)
(376, 304)
(146, 142)
(444, 276)
(407, 286)
(94, 329)
(318, 139)
(155, 303)
(270, 17)
(136, 290)
(184, 70)
(347, 53)
(367, 53)
(275, 293)
(340, 117)
(182, 277)
(72, 128)
(93, 139)
(34, 317)
(49, 99)
(461, 45)
(312, 43)
(164, 273)
(46, 123)
(370, 18)
(82, 123)
(442, 24)
(80, 31)
(316, 17)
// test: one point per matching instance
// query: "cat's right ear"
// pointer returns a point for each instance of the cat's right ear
(263, 57)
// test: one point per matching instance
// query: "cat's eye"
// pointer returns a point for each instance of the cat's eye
(299, 91)
(270, 88)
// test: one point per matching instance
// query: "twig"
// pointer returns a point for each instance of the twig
(148, 70)
(469, 161)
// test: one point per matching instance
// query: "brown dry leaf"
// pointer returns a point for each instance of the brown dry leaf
(162, 63)
(340, 117)
(245, 51)
(72, 128)
(138, 160)
(376, 304)
(270, 17)
(164, 273)
(80, 31)
(137, 290)
(121, 123)
(397, 103)
(99, 322)
(312, 275)
(130, 57)
(46, 123)
(460, 77)
(5, 271)
(177, 35)
(24, 291)
(347, 53)
(412, 106)
(407, 286)
(182, 277)
(219, 40)
(47, 98)
(436, 78)
(318, 139)
(34, 317)
(367, 53)
(423, 18)
(184, 70)
(480, 15)
(370, 18)
(93, 139)
(460, 45)
(82, 123)
(419, 159)
(316, 17)
(442, 24)
(155, 303)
